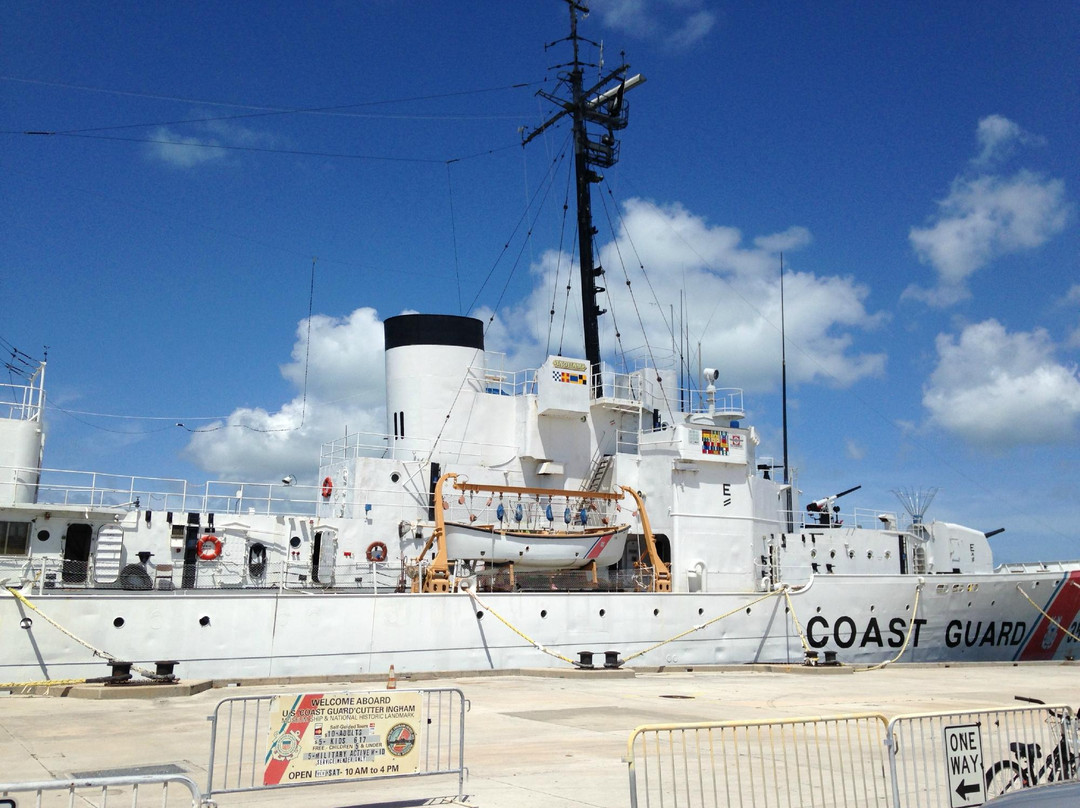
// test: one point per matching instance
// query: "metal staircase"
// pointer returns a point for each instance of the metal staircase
(601, 466)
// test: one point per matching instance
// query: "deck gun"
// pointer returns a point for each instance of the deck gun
(824, 505)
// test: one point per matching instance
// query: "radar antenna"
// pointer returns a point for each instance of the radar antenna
(915, 501)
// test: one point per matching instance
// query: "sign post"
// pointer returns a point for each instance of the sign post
(963, 760)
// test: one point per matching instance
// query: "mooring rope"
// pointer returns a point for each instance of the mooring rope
(1068, 633)
(907, 638)
(505, 622)
(149, 674)
(795, 620)
(706, 624)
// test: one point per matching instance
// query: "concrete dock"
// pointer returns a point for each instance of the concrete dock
(532, 738)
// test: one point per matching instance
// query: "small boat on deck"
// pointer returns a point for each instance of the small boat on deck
(537, 549)
(524, 532)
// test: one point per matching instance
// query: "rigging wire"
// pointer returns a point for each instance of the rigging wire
(453, 234)
(539, 207)
(307, 364)
(223, 420)
(558, 265)
(545, 184)
(630, 288)
(262, 111)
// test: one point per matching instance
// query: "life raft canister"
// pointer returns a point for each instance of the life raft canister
(209, 547)
(327, 487)
(376, 552)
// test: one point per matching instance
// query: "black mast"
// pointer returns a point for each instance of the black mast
(606, 110)
(783, 403)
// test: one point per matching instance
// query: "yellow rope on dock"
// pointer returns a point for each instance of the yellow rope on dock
(1044, 614)
(907, 639)
(95, 651)
(706, 624)
(505, 622)
(795, 620)
(42, 683)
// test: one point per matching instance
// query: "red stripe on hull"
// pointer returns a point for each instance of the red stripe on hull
(1064, 606)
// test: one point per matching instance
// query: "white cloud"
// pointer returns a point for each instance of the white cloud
(998, 137)
(997, 389)
(732, 307)
(791, 239)
(981, 219)
(853, 450)
(344, 390)
(183, 151)
(188, 151)
(694, 29)
(678, 23)
(732, 303)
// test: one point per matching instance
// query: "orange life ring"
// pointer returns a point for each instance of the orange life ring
(209, 547)
(327, 487)
(376, 552)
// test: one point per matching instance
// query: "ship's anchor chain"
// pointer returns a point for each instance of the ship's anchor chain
(149, 674)
(1039, 609)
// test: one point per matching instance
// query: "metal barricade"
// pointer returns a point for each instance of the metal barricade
(825, 761)
(251, 747)
(164, 791)
(961, 759)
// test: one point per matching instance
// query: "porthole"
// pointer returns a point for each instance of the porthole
(294, 541)
(655, 612)
(43, 535)
(118, 622)
(748, 610)
(543, 613)
(479, 615)
(603, 612)
(700, 612)
(395, 477)
(204, 620)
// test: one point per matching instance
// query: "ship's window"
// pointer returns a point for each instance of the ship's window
(43, 535)
(14, 538)
(394, 477)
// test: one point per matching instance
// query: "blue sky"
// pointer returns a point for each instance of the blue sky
(915, 162)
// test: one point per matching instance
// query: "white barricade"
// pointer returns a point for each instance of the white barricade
(828, 761)
(162, 791)
(962, 759)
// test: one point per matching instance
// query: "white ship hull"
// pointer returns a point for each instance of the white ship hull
(250, 634)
